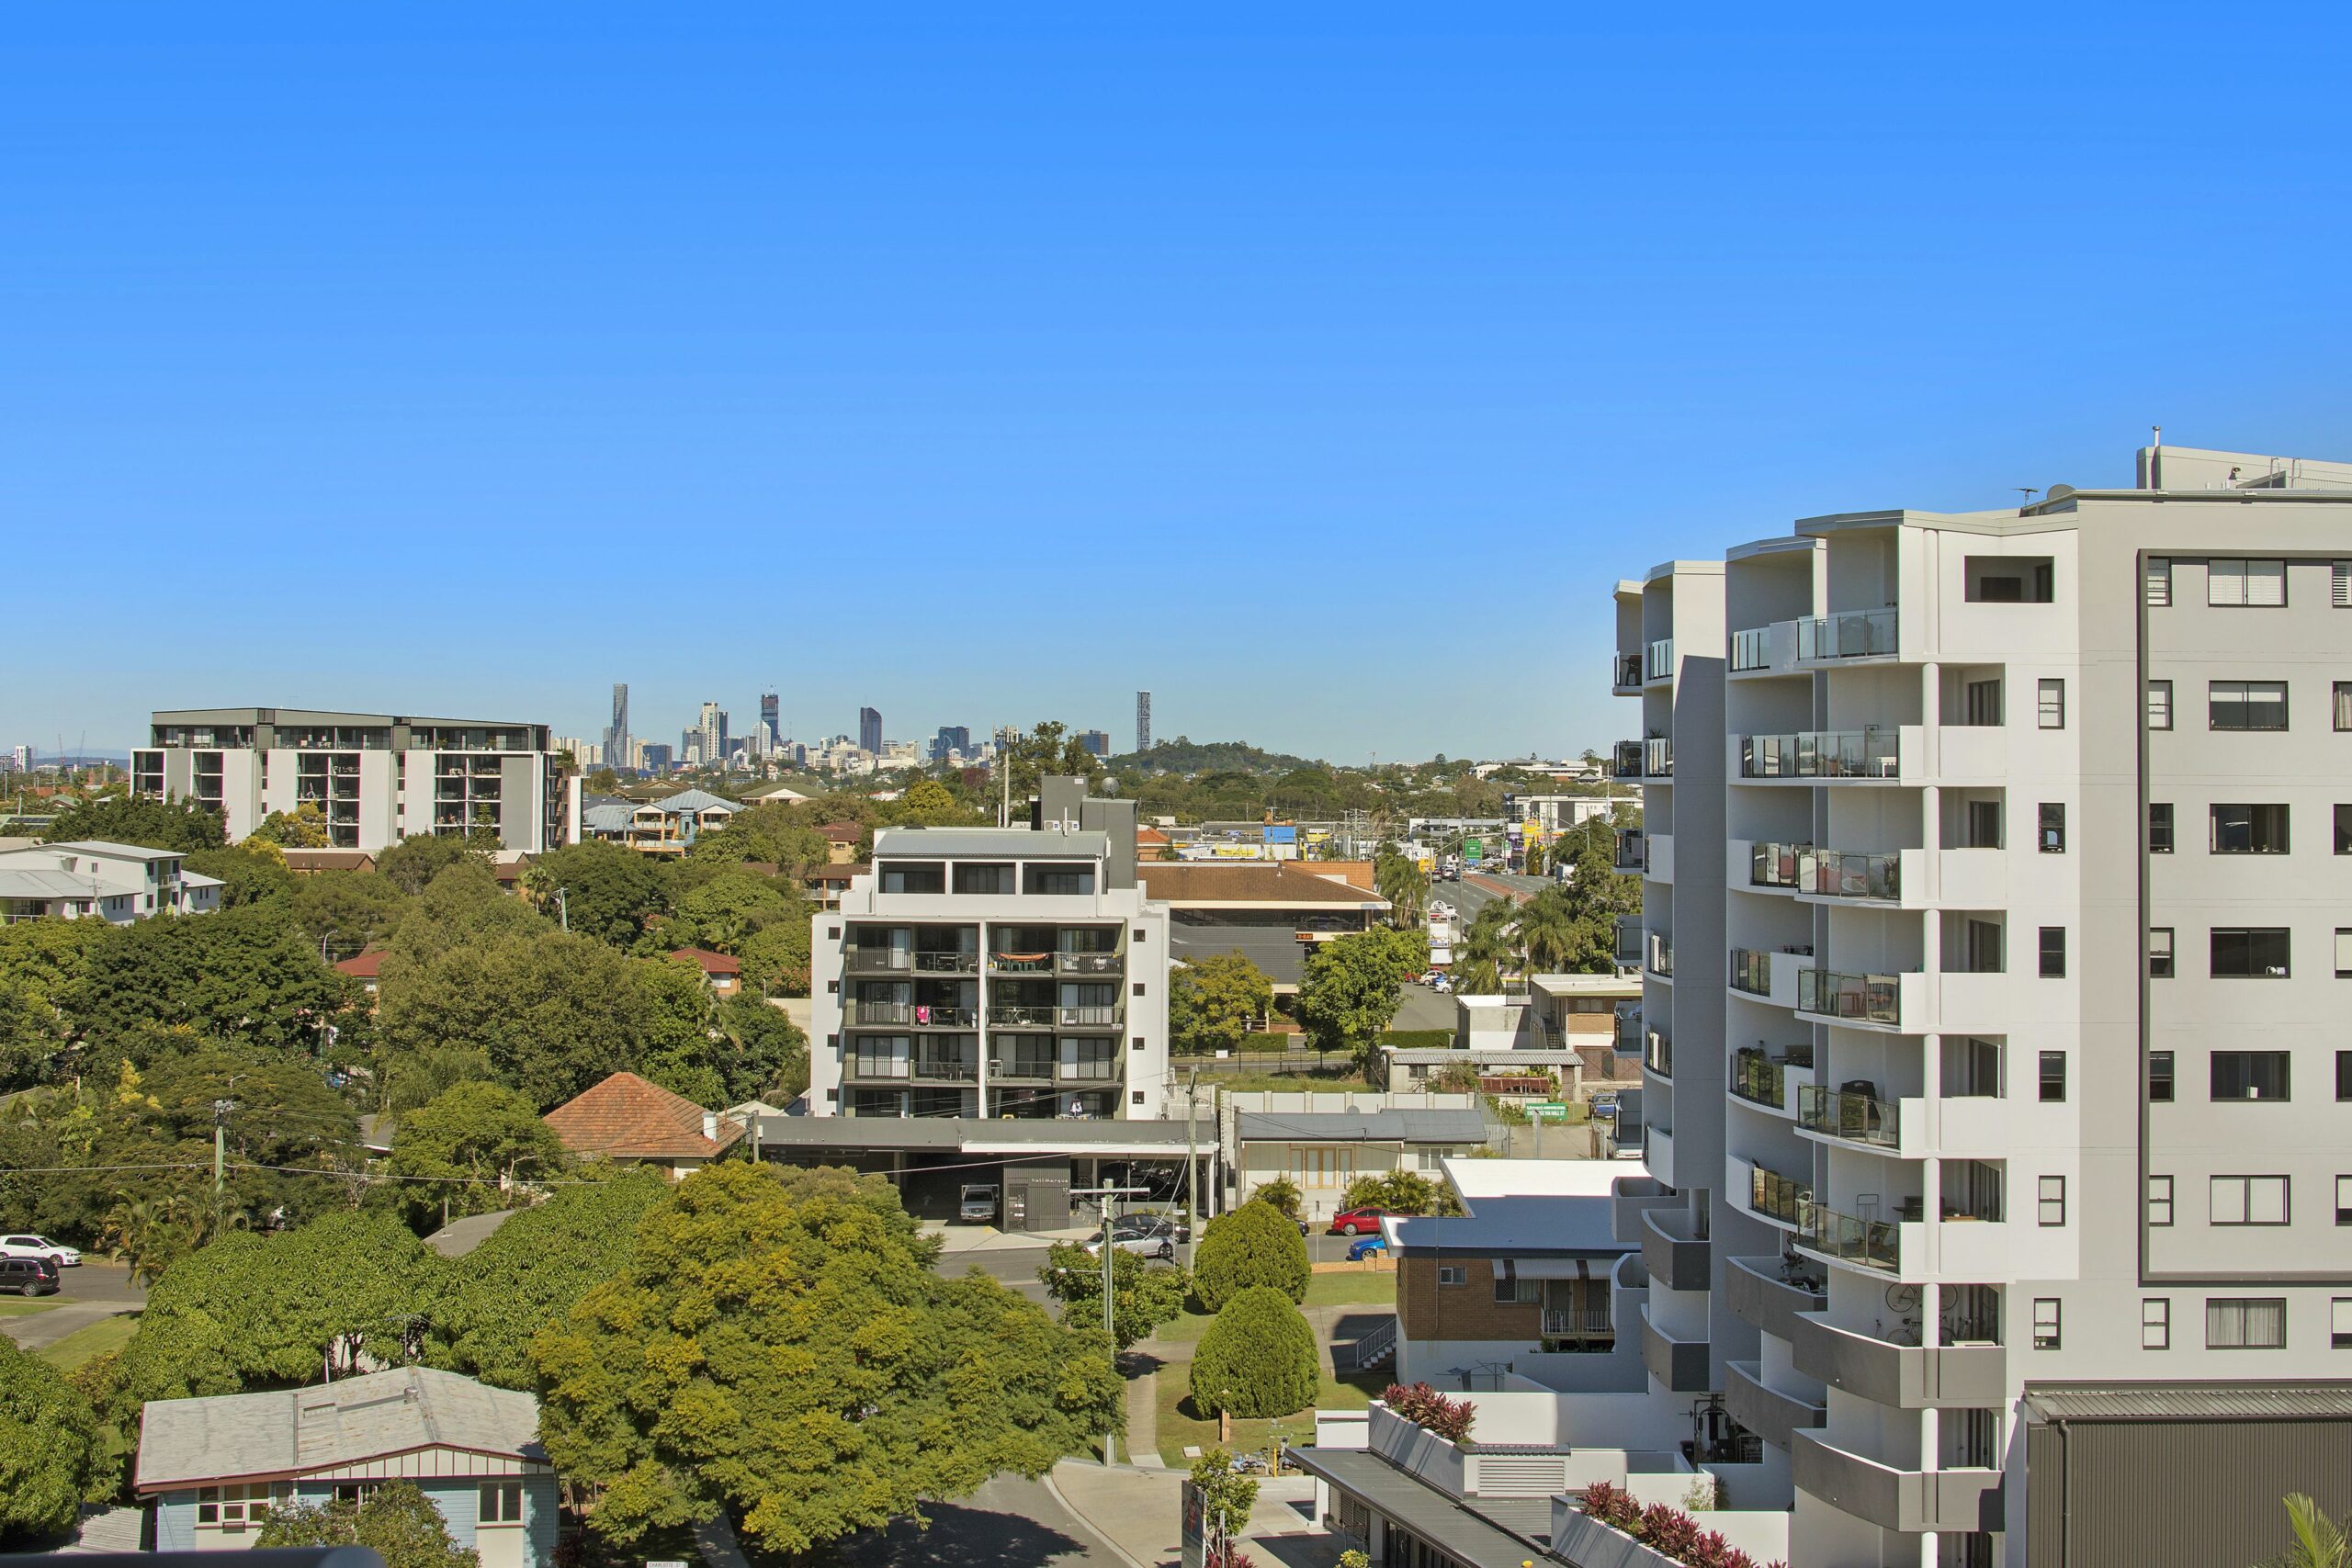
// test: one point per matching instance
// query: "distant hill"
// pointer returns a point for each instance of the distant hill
(1185, 755)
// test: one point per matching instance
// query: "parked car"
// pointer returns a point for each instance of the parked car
(1146, 1236)
(24, 1243)
(1367, 1247)
(1358, 1222)
(28, 1276)
(975, 1204)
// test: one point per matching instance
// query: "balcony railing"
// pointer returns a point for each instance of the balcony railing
(1658, 759)
(1874, 1244)
(1830, 873)
(1872, 753)
(1659, 957)
(1088, 1069)
(1657, 659)
(1626, 759)
(1090, 962)
(864, 1012)
(858, 957)
(1017, 1017)
(1751, 971)
(955, 1069)
(1849, 634)
(1624, 669)
(1751, 650)
(1590, 1321)
(1763, 1080)
(1850, 1114)
(1090, 1016)
(1629, 940)
(930, 1015)
(1021, 963)
(1038, 1067)
(1866, 998)
(1658, 1054)
(1781, 1198)
(946, 963)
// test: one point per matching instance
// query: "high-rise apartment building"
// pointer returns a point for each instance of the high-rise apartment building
(617, 740)
(987, 972)
(954, 738)
(1142, 721)
(377, 778)
(1997, 901)
(1097, 742)
(869, 730)
(771, 731)
(710, 735)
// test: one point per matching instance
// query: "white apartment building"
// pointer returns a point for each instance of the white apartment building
(90, 881)
(378, 778)
(1998, 909)
(990, 973)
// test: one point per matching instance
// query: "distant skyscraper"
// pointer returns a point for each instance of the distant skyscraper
(1142, 721)
(712, 732)
(869, 729)
(617, 733)
(1096, 741)
(656, 756)
(953, 738)
(771, 730)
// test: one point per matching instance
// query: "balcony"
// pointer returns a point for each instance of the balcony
(1657, 1056)
(1896, 1002)
(1657, 660)
(863, 960)
(1021, 1068)
(1907, 1500)
(1769, 977)
(1017, 1017)
(1971, 1374)
(1873, 754)
(1772, 1083)
(1626, 759)
(1632, 1197)
(1092, 1017)
(1847, 635)
(1657, 1152)
(1661, 857)
(1091, 962)
(1783, 1201)
(930, 1015)
(946, 963)
(1658, 955)
(1874, 1245)
(1679, 1364)
(1625, 674)
(1021, 963)
(1765, 1410)
(1088, 1069)
(1831, 873)
(1675, 1254)
(1772, 1295)
(1632, 855)
(1763, 650)
(1658, 759)
(945, 1068)
(867, 1015)
(1852, 1116)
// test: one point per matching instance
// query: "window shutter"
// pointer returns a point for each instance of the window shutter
(2160, 579)
(2266, 582)
(2341, 587)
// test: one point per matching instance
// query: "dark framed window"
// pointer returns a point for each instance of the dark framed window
(2053, 952)
(2344, 1199)
(2050, 1200)
(2050, 834)
(2046, 1323)
(2247, 704)
(2160, 827)
(1984, 824)
(2339, 1324)
(2250, 953)
(2344, 953)
(2244, 830)
(2054, 1077)
(2344, 1075)
(2341, 705)
(2159, 953)
(2256, 1322)
(2160, 1076)
(2344, 830)
(2251, 1075)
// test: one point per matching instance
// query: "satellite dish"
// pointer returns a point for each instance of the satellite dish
(2058, 493)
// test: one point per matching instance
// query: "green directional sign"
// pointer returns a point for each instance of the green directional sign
(1547, 1111)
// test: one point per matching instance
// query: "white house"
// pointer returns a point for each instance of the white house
(115, 882)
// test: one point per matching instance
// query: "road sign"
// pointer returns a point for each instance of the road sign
(1472, 850)
(1547, 1111)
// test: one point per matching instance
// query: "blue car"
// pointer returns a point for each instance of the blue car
(1359, 1250)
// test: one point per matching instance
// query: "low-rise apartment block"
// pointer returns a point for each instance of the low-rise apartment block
(88, 880)
(377, 778)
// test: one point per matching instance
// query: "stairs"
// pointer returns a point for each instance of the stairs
(1377, 1348)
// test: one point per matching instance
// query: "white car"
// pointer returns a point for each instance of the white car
(26, 1244)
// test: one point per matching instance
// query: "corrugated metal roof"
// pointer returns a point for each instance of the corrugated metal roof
(227, 1436)
(2190, 1402)
(1378, 1126)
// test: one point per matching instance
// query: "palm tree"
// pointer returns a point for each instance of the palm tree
(2320, 1541)
(1548, 928)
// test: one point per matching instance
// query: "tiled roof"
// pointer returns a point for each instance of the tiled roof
(367, 967)
(627, 1118)
(841, 832)
(329, 860)
(709, 963)
(1277, 886)
(838, 872)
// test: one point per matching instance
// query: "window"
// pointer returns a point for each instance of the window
(1134, 1097)
(2054, 1077)
(2249, 1199)
(2247, 704)
(2344, 953)
(2052, 833)
(2012, 580)
(2160, 1199)
(1449, 1274)
(2159, 582)
(2160, 1077)
(2344, 1075)
(1981, 704)
(2339, 1324)
(2339, 588)
(2341, 707)
(1138, 987)
(2160, 828)
(2050, 704)
(1511, 1290)
(2250, 1074)
(1138, 1041)
(2046, 1323)
(2258, 1323)
(2159, 953)
(2053, 952)
(2160, 704)
(2249, 830)
(2344, 830)
(1983, 824)
(2255, 953)
(233, 1507)
(502, 1502)
(2156, 1323)
(2246, 582)
(2050, 1200)
(2344, 1199)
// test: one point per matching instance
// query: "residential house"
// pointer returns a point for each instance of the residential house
(366, 967)
(723, 973)
(309, 863)
(627, 1119)
(1321, 1151)
(840, 841)
(213, 1468)
(88, 880)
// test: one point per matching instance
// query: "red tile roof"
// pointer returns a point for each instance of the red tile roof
(841, 832)
(1277, 885)
(840, 874)
(709, 963)
(627, 1118)
(367, 967)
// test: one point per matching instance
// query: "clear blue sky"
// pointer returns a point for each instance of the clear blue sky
(1319, 368)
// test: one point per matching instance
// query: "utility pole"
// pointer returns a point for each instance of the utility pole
(1110, 1195)
(221, 1109)
(563, 908)
(1192, 1165)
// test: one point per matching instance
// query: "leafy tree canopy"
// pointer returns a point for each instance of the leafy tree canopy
(1257, 1358)
(52, 1451)
(1254, 1245)
(1213, 1001)
(1142, 1298)
(1349, 990)
(304, 828)
(174, 824)
(396, 1519)
(251, 873)
(413, 863)
(1400, 1192)
(236, 974)
(611, 891)
(471, 1149)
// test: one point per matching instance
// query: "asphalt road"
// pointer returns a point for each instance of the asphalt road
(1475, 890)
(1009, 1521)
(93, 1292)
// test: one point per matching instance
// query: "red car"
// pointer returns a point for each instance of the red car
(1357, 1222)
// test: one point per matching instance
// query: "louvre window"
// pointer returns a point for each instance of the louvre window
(2160, 704)
(2159, 579)
(2260, 583)
(2050, 699)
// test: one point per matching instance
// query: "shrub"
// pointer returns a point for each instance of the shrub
(1432, 1411)
(1668, 1529)
(1257, 1358)
(1255, 1245)
(1282, 1192)
(1612, 1505)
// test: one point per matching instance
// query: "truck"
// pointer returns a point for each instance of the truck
(976, 1205)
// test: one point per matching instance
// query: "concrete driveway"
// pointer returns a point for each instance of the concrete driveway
(95, 1291)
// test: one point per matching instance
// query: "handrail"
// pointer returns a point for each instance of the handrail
(1751, 650)
(1849, 1114)
(1847, 634)
(1873, 752)
(1874, 1244)
(1871, 999)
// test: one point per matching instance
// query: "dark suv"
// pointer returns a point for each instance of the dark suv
(28, 1276)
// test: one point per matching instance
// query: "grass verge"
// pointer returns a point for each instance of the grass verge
(20, 1307)
(1181, 1427)
(96, 1339)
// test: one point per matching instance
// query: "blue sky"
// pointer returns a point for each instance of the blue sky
(1319, 373)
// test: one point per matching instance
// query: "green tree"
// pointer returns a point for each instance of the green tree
(1227, 1497)
(471, 1149)
(1350, 989)
(342, 913)
(174, 824)
(249, 872)
(1282, 1193)
(788, 1354)
(724, 912)
(776, 959)
(396, 1519)
(1257, 1358)
(241, 974)
(1254, 1245)
(548, 1014)
(1455, 1078)
(1399, 1192)
(304, 828)
(612, 892)
(776, 834)
(1142, 1298)
(413, 863)
(2320, 1541)
(52, 1451)
(1050, 749)
(1213, 1001)
(930, 804)
(532, 1270)
(1403, 883)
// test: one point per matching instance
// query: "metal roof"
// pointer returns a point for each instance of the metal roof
(2189, 1402)
(977, 1134)
(322, 1427)
(1352, 1126)
(694, 800)
(1453, 1528)
(989, 844)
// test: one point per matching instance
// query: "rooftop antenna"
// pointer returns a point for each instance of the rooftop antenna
(2029, 492)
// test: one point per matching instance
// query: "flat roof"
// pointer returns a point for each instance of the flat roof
(1393, 1125)
(974, 1134)
(1247, 885)
(1533, 1226)
(322, 715)
(1480, 1180)
(1497, 1056)
(1438, 1517)
(989, 844)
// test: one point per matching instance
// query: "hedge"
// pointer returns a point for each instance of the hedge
(1257, 1358)
(1417, 1039)
(1254, 1245)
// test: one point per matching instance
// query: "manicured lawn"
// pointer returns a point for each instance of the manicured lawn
(22, 1306)
(1179, 1425)
(1339, 1288)
(83, 1344)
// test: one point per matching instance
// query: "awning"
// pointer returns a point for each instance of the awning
(1543, 1269)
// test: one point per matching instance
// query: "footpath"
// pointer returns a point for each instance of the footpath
(1139, 1511)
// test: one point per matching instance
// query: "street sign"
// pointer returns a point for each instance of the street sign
(1472, 850)
(1547, 1111)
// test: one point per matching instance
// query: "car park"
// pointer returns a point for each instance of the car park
(28, 1276)
(24, 1243)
